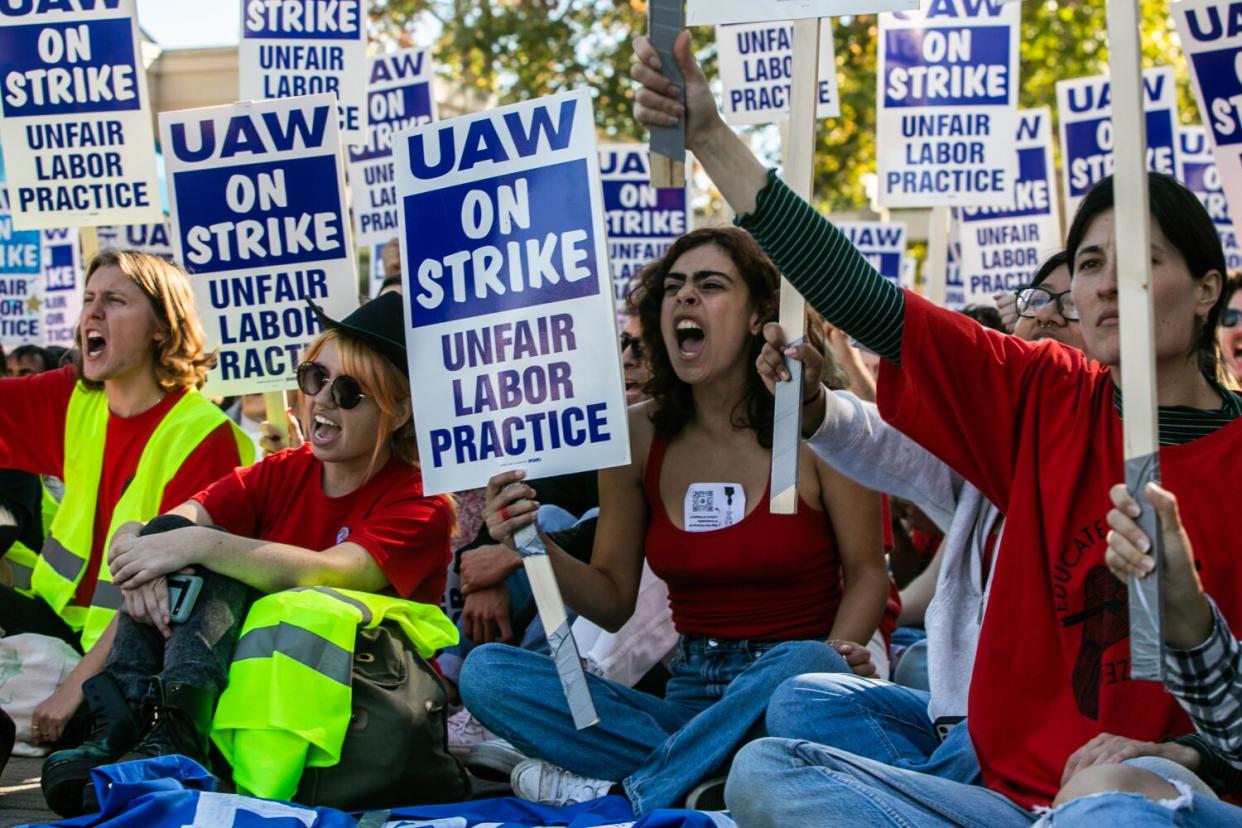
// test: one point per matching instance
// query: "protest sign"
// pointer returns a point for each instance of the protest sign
(307, 47)
(715, 12)
(509, 303)
(756, 71)
(1196, 168)
(948, 90)
(76, 125)
(1084, 107)
(642, 220)
(881, 243)
(21, 262)
(60, 284)
(909, 266)
(258, 218)
(1211, 35)
(399, 97)
(146, 238)
(1002, 247)
(375, 271)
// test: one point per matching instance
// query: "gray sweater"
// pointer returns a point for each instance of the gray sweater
(856, 441)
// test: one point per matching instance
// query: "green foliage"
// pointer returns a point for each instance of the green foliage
(519, 49)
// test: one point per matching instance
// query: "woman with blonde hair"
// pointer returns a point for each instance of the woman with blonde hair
(127, 431)
(345, 510)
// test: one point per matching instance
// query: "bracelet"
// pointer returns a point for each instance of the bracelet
(818, 396)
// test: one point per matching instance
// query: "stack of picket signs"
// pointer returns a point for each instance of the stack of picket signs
(519, 232)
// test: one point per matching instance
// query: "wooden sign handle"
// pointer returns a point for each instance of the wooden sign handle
(938, 255)
(1141, 427)
(800, 176)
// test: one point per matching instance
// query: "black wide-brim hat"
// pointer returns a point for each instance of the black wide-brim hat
(379, 323)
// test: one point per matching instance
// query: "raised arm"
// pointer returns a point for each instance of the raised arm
(812, 254)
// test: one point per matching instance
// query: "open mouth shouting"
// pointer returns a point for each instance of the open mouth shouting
(93, 344)
(325, 430)
(689, 338)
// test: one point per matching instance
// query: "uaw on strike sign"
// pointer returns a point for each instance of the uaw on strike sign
(76, 123)
(1196, 168)
(514, 358)
(259, 220)
(948, 86)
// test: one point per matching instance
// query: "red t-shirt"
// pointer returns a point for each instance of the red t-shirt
(32, 438)
(1034, 427)
(282, 500)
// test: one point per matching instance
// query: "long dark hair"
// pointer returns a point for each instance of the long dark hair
(1188, 227)
(674, 402)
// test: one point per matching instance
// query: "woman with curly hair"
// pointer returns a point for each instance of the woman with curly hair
(756, 597)
(128, 432)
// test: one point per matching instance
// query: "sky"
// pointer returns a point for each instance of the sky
(176, 24)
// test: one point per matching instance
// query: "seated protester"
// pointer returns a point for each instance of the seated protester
(127, 431)
(344, 510)
(1036, 428)
(854, 438)
(756, 597)
(1231, 328)
(1203, 671)
(21, 528)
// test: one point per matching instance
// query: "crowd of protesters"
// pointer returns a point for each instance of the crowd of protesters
(938, 635)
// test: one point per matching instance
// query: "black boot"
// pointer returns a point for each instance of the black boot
(182, 723)
(111, 730)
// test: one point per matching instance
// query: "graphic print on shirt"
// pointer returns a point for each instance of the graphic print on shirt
(1105, 621)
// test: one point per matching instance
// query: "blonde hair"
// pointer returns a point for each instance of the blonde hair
(181, 359)
(381, 381)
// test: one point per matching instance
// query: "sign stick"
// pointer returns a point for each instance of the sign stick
(90, 244)
(938, 255)
(800, 176)
(665, 20)
(556, 627)
(275, 403)
(1138, 380)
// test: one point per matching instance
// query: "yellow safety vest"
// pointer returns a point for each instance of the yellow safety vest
(22, 558)
(67, 546)
(288, 700)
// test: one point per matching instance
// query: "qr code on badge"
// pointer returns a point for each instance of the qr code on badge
(703, 502)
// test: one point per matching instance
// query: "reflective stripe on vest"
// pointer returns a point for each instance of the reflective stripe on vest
(67, 547)
(22, 558)
(288, 701)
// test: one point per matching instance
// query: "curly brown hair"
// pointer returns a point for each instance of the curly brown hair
(181, 359)
(674, 402)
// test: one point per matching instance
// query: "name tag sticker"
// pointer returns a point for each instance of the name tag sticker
(712, 506)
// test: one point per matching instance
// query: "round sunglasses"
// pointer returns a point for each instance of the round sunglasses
(346, 392)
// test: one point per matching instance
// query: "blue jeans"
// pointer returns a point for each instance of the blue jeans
(658, 748)
(911, 670)
(522, 611)
(1196, 807)
(872, 757)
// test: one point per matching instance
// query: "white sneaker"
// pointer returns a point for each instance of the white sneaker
(538, 781)
(464, 732)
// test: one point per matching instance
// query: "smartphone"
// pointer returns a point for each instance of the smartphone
(183, 591)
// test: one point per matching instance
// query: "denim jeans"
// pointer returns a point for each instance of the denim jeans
(912, 667)
(523, 614)
(658, 748)
(863, 751)
(1196, 806)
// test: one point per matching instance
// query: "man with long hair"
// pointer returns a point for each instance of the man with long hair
(128, 432)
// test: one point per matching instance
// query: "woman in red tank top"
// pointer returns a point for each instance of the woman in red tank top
(756, 597)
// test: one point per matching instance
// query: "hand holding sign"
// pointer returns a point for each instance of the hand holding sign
(1187, 613)
(772, 369)
(657, 102)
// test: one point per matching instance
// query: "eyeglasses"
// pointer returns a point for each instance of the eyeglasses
(628, 341)
(1230, 318)
(346, 392)
(1032, 300)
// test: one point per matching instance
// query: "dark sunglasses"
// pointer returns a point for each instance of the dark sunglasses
(628, 341)
(346, 392)
(1230, 318)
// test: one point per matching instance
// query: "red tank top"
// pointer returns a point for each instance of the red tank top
(766, 578)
